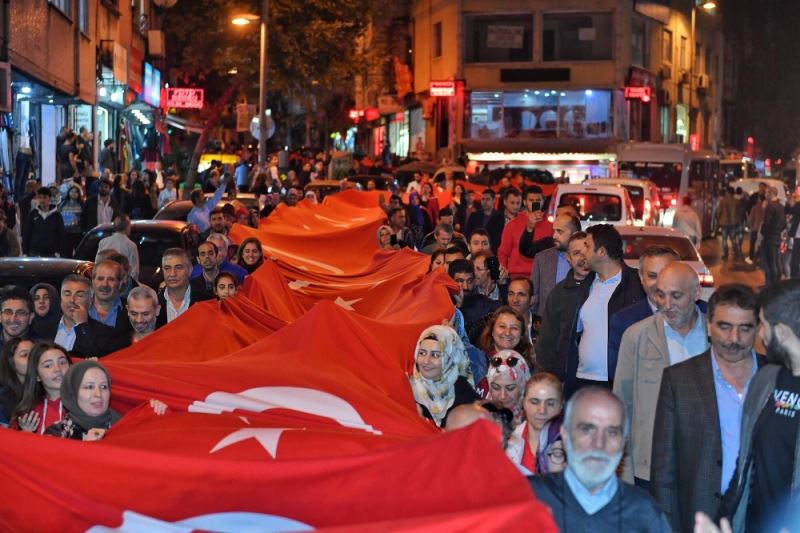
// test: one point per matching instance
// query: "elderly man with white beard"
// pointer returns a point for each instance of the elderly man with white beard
(587, 496)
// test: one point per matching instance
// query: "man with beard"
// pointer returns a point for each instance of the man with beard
(107, 307)
(143, 310)
(765, 487)
(587, 496)
(101, 208)
(551, 266)
(698, 418)
(671, 336)
(512, 202)
(17, 314)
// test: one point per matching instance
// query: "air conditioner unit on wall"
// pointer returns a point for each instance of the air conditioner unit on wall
(665, 72)
(684, 79)
(155, 43)
(702, 81)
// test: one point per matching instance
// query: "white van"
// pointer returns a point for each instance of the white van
(750, 186)
(597, 204)
(644, 195)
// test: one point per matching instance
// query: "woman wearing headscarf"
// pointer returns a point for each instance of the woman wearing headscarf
(419, 220)
(537, 447)
(442, 377)
(46, 309)
(385, 238)
(85, 395)
(508, 373)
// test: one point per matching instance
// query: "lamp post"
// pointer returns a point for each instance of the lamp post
(242, 20)
(709, 6)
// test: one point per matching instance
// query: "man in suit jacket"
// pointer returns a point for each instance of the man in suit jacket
(673, 335)
(99, 209)
(794, 233)
(179, 293)
(699, 413)
(479, 218)
(651, 262)
(512, 202)
(551, 266)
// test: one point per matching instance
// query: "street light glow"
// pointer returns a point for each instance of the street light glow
(708, 5)
(240, 21)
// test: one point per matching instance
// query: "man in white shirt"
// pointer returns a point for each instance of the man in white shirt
(76, 297)
(687, 221)
(178, 294)
(120, 241)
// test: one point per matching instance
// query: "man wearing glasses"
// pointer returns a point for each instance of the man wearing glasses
(16, 313)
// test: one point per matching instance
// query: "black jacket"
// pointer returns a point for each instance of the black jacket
(557, 312)
(43, 235)
(89, 213)
(476, 220)
(795, 212)
(774, 222)
(198, 294)
(628, 291)
(494, 227)
(92, 338)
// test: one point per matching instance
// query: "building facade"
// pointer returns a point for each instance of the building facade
(557, 84)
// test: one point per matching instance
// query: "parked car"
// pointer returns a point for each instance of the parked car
(597, 204)
(25, 272)
(382, 182)
(152, 237)
(644, 195)
(635, 240)
(179, 209)
(323, 188)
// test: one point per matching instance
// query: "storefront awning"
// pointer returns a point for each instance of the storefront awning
(184, 124)
(540, 149)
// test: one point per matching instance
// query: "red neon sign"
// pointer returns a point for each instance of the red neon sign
(639, 93)
(442, 88)
(694, 142)
(185, 98)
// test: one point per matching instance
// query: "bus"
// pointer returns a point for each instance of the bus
(677, 172)
(737, 168)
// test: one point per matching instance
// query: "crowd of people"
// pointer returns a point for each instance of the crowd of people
(631, 403)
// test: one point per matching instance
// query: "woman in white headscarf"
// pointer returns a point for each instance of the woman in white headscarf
(442, 376)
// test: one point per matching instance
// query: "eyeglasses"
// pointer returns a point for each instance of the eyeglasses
(19, 313)
(510, 362)
(557, 456)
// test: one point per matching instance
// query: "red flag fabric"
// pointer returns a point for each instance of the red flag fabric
(52, 484)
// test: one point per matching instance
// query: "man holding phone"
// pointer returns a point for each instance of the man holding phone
(533, 220)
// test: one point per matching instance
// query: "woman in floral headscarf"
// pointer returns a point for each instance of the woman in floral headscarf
(508, 373)
(442, 376)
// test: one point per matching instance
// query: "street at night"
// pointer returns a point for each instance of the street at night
(398, 266)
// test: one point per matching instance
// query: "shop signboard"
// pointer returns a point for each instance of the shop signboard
(442, 88)
(185, 98)
(504, 36)
(638, 93)
(244, 114)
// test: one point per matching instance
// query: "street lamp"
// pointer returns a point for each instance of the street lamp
(708, 6)
(244, 20)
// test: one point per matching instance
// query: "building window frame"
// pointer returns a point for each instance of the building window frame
(62, 6)
(587, 36)
(666, 47)
(83, 16)
(683, 53)
(643, 60)
(502, 19)
(436, 45)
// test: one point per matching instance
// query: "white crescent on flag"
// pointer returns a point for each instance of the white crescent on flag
(230, 522)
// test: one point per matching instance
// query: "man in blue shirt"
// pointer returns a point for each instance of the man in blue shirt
(200, 214)
(699, 413)
(212, 259)
(587, 496)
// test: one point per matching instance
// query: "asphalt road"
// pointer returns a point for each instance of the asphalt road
(730, 271)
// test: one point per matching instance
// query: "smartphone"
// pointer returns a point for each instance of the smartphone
(536, 206)
(493, 264)
(393, 240)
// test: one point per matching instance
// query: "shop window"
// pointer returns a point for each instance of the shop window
(65, 6)
(639, 53)
(498, 38)
(537, 114)
(577, 37)
(437, 39)
(666, 46)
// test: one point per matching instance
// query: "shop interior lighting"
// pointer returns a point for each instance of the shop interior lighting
(26, 89)
(588, 92)
(102, 91)
(538, 156)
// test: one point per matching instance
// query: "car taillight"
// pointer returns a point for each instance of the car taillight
(706, 280)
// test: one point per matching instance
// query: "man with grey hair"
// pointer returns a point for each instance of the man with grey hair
(178, 294)
(587, 496)
(673, 335)
(143, 310)
(121, 242)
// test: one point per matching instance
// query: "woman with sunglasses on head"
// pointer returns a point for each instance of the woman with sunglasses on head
(538, 445)
(504, 331)
(41, 404)
(506, 378)
(442, 377)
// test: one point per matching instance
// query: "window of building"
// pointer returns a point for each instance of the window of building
(534, 114)
(498, 38)
(639, 53)
(437, 39)
(684, 60)
(666, 46)
(65, 6)
(577, 36)
(699, 66)
(83, 16)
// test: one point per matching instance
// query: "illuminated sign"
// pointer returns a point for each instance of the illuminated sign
(639, 93)
(151, 93)
(694, 142)
(185, 98)
(442, 88)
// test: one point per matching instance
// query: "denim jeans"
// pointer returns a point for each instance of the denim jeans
(732, 233)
